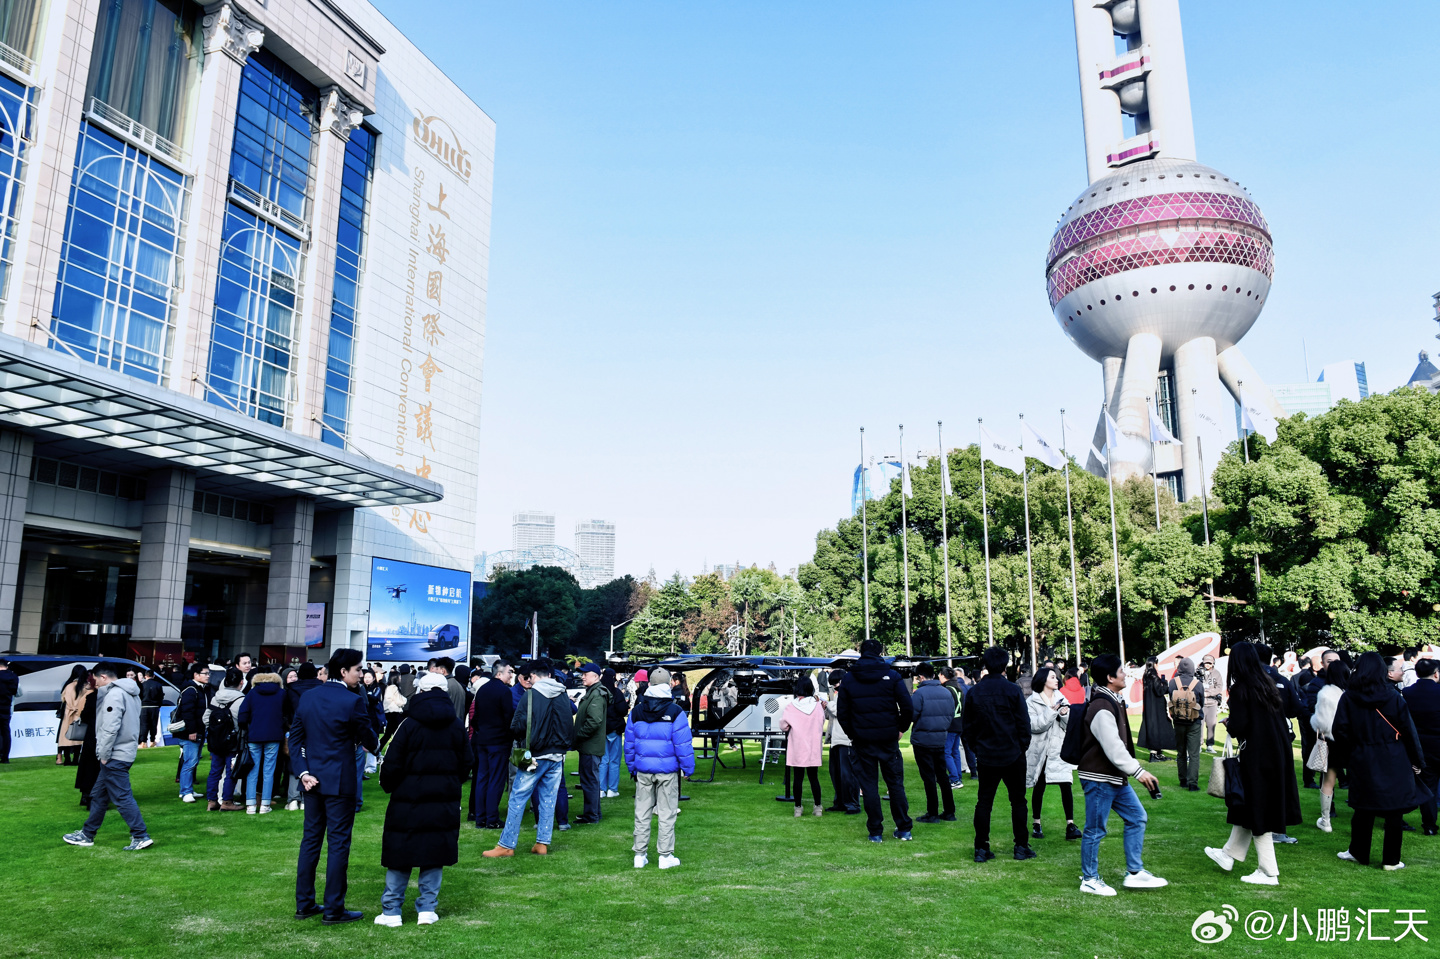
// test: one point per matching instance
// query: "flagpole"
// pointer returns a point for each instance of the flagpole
(1115, 549)
(864, 530)
(1029, 566)
(1245, 439)
(1205, 511)
(945, 535)
(1070, 519)
(1154, 475)
(985, 522)
(904, 540)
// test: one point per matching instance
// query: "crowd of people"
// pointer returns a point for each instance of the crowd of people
(308, 738)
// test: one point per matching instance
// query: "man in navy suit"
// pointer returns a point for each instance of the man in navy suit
(330, 722)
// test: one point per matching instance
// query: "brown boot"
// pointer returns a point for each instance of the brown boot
(212, 806)
(540, 849)
(499, 852)
(231, 807)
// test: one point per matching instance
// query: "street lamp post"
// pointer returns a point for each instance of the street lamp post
(615, 627)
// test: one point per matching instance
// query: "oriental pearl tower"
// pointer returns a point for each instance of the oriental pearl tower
(1162, 264)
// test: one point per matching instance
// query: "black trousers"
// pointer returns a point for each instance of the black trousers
(5, 738)
(1362, 828)
(1187, 751)
(842, 777)
(1037, 798)
(798, 772)
(328, 819)
(1307, 743)
(590, 786)
(1430, 776)
(491, 775)
(1013, 776)
(931, 760)
(150, 724)
(884, 758)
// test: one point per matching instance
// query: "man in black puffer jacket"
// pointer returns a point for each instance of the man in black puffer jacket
(874, 709)
(997, 725)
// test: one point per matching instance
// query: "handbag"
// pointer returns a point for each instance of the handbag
(1319, 759)
(1218, 769)
(520, 755)
(1234, 784)
(77, 731)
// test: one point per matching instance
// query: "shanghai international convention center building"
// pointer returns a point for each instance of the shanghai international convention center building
(244, 251)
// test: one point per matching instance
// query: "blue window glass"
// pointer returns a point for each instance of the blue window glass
(15, 106)
(275, 135)
(117, 294)
(349, 263)
(253, 339)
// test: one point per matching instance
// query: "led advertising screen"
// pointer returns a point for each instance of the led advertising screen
(417, 612)
(314, 624)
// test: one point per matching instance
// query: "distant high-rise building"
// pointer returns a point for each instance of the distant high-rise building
(1312, 399)
(1347, 381)
(533, 528)
(595, 542)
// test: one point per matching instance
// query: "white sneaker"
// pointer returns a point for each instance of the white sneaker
(292, 807)
(641, 861)
(1222, 858)
(1144, 880)
(1323, 825)
(1345, 855)
(427, 919)
(1395, 868)
(1096, 887)
(1259, 878)
(188, 797)
(264, 810)
(392, 921)
(249, 810)
(668, 862)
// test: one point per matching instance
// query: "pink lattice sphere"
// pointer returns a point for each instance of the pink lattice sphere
(1163, 246)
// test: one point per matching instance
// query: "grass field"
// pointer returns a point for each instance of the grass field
(754, 882)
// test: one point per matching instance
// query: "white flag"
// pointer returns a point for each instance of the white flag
(905, 489)
(1099, 456)
(1039, 447)
(1001, 454)
(1158, 432)
(1255, 419)
(1112, 434)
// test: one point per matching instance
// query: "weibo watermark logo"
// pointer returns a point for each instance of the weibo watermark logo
(1210, 927)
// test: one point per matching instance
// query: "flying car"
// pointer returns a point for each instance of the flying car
(395, 591)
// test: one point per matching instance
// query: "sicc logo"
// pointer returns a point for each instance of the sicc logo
(438, 137)
(1212, 928)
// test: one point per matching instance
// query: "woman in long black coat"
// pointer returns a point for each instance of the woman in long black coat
(87, 770)
(1382, 753)
(1156, 733)
(427, 761)
(1267, 768)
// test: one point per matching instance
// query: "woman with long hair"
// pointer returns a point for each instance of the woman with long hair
(72, 702)
(1267, 768)
(1049, 715)
(1156, 733)
(1337, 678)
(1382, 753)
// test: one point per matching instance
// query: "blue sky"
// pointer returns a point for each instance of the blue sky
(727, 235)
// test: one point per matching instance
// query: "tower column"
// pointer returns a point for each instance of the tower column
(1236, 369)
(1198, 402)
(289, 585)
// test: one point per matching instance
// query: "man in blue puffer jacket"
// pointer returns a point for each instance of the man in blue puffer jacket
(658, 748)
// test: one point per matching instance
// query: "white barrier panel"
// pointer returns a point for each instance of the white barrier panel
(33, 732)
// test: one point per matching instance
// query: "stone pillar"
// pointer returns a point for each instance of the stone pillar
(164, 555)
(32, 603)
(350, 618)
(289, 588)
(16, 452)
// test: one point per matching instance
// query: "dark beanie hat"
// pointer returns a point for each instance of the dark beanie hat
(308, 671)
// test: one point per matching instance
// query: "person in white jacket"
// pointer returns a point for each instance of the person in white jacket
(1337, 677)
(1049, 715)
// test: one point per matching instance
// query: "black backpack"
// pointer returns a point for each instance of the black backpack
(1073, 746)
(221, 734)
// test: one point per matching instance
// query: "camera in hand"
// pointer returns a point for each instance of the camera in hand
(1154, 787)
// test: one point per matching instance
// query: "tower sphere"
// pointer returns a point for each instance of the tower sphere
(1164, 246)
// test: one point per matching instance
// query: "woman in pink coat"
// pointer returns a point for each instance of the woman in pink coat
(804, 720)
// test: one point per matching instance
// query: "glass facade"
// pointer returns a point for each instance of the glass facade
(253, 337)
(16, 102)
(349, 264)
(117, 289)
(252, 346)
(144, 65)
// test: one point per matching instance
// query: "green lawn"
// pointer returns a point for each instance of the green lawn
(754, 882)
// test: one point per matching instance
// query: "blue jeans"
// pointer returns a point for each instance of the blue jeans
(545, 783)
(189, 761)
(219, 766)
(610, 762)
(262, 754)
(395, 882)
(1100, 798)
(952, 756)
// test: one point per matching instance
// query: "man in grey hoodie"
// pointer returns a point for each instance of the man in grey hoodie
(117, 739)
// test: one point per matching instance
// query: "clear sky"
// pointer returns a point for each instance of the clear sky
(727, 235)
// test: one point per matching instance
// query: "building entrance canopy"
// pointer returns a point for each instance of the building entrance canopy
(59, 398)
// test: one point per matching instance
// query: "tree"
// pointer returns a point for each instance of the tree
(501, 618)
